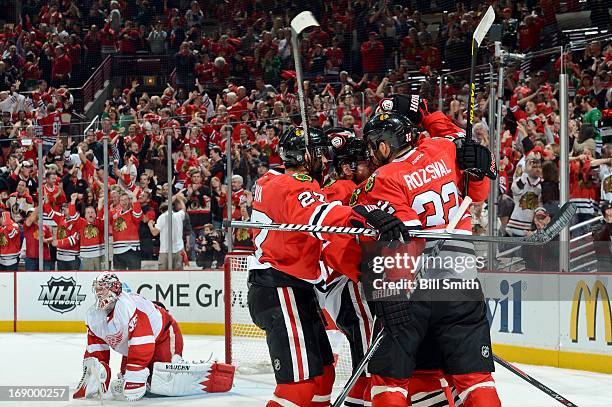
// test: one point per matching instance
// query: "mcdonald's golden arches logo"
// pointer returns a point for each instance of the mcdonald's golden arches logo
(590, 298)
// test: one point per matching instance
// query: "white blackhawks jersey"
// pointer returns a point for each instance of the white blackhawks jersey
(527, 194)
(131, 328)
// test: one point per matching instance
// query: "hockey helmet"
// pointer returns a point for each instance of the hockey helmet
(393, 129)
(292, 146)
(106, 288)
(346, 148)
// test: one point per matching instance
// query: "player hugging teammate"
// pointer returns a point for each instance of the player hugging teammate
(151, 345)
(416, 184)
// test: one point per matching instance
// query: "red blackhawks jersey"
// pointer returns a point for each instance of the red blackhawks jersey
(339, 190)
(132, 328)
(10, 244)
(297, 198)
(421, 188)
(90, 236)
(65, 233)
(125, 226)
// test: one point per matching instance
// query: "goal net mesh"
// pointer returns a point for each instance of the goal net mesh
(245, 343)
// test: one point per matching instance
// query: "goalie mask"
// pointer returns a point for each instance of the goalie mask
(107, 288)
(393, 129)
(293, 152)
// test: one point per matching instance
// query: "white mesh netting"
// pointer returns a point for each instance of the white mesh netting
(249, 351)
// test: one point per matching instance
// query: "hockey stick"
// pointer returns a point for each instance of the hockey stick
(299, 23)
(483, 28)
(534, 382)
(452, 224)
(561, 220)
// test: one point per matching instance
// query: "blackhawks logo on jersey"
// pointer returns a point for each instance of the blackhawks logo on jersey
(35, 234)
(91, 231)
(302, 177)
(3, 240)
(354, 197)
(120, 224)
(529, 201)
(61, 232)
(299, 132)
(370, 184)
(329, 183)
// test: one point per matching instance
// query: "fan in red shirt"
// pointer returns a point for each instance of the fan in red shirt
(61, 67)
(32, 238)
(186, 160)
(372, 55)
(238, 197)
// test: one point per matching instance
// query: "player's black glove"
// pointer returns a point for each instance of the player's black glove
(389, 227)
(412, 106)
(394, 311)
(477, 159)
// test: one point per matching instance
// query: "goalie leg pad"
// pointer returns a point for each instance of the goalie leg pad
(95, 379)
(476, 389)
(184, 378)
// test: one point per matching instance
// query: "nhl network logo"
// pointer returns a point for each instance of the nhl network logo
(61, 294)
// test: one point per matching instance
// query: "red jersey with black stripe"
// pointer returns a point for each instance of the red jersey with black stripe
(298, 199)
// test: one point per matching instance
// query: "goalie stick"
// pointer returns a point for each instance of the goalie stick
(561, 220)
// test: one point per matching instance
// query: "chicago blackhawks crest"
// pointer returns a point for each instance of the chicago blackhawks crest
(119, 224)
(91, 231)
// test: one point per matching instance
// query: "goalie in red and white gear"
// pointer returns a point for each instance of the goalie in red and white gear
(151, 344)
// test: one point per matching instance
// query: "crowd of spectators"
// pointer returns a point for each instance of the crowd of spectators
(238, 82)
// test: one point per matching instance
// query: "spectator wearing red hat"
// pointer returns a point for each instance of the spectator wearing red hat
(372, 55)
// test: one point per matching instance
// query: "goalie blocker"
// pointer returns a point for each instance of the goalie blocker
(149, 339)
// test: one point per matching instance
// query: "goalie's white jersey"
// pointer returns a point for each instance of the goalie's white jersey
(131, 328)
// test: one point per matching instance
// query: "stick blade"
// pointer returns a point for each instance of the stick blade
(557, 223)
(302, 21)
(484, 25)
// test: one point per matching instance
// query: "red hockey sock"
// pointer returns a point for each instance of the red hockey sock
(476, 389)
(360, 393)
(325, 383)
(389, 392)
(299, 394)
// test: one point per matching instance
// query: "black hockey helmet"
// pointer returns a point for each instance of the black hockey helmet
(345, 147)
(393, 129)
(292, 146)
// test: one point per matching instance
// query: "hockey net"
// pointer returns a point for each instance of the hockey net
(245, 343)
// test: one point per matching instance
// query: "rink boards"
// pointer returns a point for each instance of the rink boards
(561, 320)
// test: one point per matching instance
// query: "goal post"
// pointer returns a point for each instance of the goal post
(245, 343)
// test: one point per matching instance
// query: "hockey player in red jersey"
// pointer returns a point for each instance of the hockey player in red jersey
(151, 344)
(345, 302)
(349, 163)
(284, 270)
(419, 182)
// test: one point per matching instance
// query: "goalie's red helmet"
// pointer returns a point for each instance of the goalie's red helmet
(107, 288)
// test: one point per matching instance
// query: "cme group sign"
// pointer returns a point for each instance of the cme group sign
(591, 295)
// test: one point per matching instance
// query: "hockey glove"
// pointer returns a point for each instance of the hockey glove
(95, 379)
(394, 312)
(389, 227)
(476, 159)
(411, 106)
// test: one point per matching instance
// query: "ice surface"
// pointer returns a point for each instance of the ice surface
(56, 359)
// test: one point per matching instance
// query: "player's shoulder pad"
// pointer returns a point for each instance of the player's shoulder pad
(302, 177)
